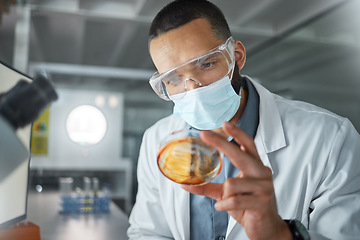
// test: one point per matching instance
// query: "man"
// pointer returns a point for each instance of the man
(291, 169)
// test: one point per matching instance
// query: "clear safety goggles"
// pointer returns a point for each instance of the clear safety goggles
(202, 71)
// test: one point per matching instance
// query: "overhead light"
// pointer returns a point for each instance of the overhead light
(86, 125)
(113, 101)
(100, 101)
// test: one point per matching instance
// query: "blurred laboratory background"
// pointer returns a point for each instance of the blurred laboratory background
(96, 54)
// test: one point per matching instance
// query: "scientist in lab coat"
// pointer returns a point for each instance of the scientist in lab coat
(291, 169)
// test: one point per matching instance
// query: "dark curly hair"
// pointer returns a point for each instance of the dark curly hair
(181, 12)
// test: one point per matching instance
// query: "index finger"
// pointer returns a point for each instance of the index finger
(245, 141)
(246, 162)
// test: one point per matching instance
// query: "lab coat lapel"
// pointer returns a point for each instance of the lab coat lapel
(270, 134)
(231, 225)
(182, 215)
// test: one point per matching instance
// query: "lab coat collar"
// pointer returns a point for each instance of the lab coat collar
(270, 132)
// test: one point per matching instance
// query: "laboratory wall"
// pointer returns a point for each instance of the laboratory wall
(317, 62)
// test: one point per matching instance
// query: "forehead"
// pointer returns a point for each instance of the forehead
(180, 45)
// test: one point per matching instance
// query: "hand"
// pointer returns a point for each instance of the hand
(249, 197)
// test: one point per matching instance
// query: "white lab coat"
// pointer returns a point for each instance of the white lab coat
(313, 153)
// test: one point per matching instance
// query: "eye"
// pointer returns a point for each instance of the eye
(207, 65)
(167, 81)
(171, 79)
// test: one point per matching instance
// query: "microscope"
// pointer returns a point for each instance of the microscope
(19, 107)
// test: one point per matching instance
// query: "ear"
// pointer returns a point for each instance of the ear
(240, 54)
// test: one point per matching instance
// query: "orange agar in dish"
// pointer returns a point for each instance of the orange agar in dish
(190, 161)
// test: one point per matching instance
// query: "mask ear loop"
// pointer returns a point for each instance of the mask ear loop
(231, 52)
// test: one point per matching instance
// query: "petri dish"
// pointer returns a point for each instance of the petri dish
(184, 158)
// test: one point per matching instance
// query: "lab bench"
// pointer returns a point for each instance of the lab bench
(44, 210)
(118, 173)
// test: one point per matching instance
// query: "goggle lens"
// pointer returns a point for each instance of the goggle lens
(203, 70)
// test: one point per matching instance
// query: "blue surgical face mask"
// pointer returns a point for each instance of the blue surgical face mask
(207, 107)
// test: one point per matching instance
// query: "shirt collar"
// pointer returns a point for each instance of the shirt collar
(249, 119)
